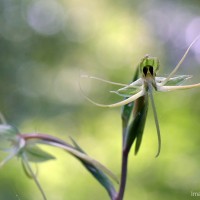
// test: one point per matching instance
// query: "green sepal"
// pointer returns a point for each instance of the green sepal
(127, 109)
(177, 80)
(35, 154)
(136, 128)
(98, 174)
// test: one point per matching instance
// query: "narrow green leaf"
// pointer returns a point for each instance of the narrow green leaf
(95, 167)
(100, 176)
(72, 150)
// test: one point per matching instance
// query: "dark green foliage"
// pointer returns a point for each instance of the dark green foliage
(100, 176)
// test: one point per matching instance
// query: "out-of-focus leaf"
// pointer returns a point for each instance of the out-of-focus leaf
(136, 128)
(35, 154)
(101, 177)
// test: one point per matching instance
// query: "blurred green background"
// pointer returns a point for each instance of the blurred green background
(44, 47)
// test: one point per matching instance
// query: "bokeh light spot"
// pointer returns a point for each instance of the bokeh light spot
(192, 31)
(46, 17)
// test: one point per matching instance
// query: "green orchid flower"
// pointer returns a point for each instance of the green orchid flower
(141, 89)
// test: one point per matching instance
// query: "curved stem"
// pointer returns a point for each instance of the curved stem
(124, 165)
(120, 194)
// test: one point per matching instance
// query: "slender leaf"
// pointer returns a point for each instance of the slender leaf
(100, 176)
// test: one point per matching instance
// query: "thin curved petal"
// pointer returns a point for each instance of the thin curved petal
(29, 170)
(103, 80)
(172, 88)
(121, 103)
(181, 61)
(134, 84)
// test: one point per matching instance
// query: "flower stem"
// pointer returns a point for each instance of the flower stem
(120, 194)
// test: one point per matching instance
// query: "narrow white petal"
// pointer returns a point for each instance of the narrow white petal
(181, 61)
(103, 80)
(172, 88)
(121, 103)
(138, 82)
